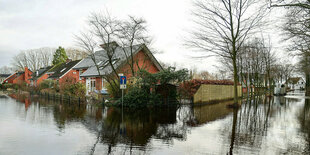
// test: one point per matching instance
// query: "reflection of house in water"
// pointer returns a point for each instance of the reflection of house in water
(207, 113)
(22, 98)
(64, 113)
(279, 100)
(138, 126)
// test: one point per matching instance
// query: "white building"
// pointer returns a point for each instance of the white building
(296, 83)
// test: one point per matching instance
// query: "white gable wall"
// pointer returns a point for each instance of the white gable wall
(298, 86)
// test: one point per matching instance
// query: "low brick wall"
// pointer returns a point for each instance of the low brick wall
(207, 93)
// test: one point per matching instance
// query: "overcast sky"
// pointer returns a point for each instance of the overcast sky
(51, 23)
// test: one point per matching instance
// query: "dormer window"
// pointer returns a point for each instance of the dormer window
(114, 61)
(99, 63)
(62, 70)
(106, 63)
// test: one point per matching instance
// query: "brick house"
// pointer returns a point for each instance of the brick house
(64, 72)
(19, 77)
(88, 72)
(39, 76)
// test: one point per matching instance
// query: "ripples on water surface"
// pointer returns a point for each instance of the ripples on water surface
(261, 126)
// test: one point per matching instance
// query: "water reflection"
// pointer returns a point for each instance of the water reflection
(304, 120)
(262, 125)
(207, 113)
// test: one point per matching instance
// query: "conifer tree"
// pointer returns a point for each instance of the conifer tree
(60, 56)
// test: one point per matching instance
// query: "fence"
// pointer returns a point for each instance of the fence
(63, 98)
(208, 92)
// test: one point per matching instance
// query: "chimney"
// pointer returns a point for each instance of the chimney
(112, 45)
(26, 74)
(37, 73)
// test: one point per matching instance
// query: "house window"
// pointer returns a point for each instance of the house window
(93, 85)
(74, 72)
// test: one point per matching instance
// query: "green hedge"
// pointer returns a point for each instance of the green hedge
(10, 85)
(137, 97)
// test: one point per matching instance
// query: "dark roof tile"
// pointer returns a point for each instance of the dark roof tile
(62, 69)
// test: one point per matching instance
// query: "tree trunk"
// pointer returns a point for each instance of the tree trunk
(233, 131)
(307, 88)
(235, 82)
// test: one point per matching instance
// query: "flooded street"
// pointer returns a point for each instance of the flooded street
(278, 125)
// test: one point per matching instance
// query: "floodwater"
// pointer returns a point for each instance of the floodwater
(280, 125)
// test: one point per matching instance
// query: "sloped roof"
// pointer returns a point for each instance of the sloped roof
(119, 57)
(10, 76)
(293, 80)
(62, 69)
(4, 75)
(41, 72)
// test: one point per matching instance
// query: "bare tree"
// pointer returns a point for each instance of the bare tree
(222, 28)
(205, 75)
(76, 54)
(297, 30)
(290, 3)
(20, 61)
(106, 29)
(103, 32)
(133, 32)
(254, 64)
(34, 59)
(45, 55)
(6, 70)
(112, 34)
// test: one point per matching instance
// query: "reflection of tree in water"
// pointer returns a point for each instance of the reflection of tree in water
(65, 113)
(177, 127)
(304, 120)
(250, 123)
(23, 98)
(139, 126)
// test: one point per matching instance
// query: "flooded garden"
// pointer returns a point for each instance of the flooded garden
(262, 125)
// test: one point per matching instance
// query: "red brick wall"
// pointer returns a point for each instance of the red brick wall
(143, 62)
(43, 77)
(10, 80)
(19, 79)
(98, 83)
(72, 74)
(27, 75)
(24, 77)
